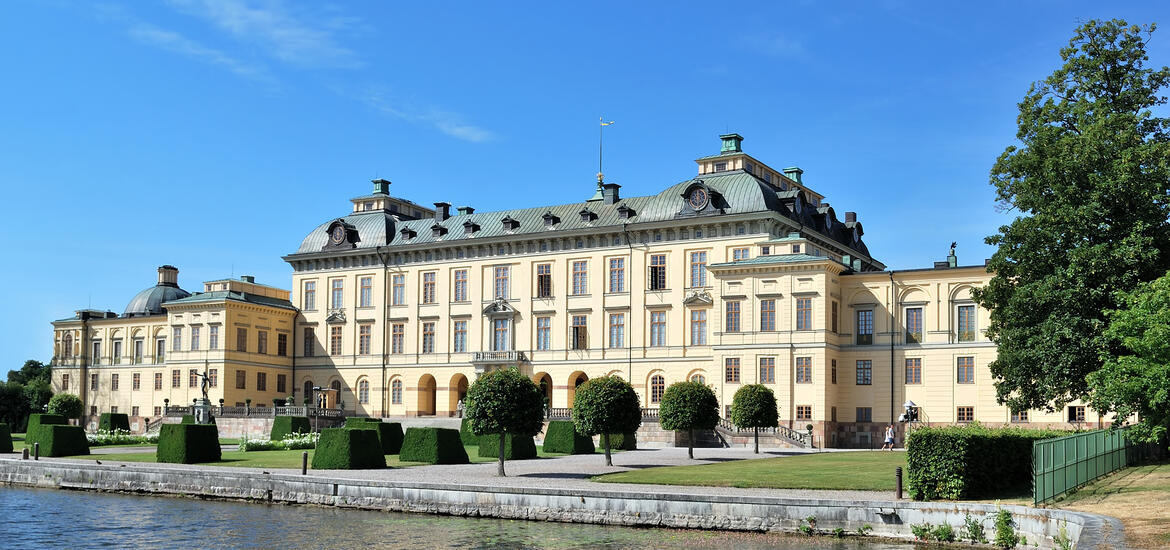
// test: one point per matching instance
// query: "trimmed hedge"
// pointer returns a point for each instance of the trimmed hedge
(433, 446)
(969, 462)
(621, 442)
(466, 435)
(389, 433)
(516, 447)
(188, 419)
(286, 425)
(58, 440)
(5, 438)
(114, 421)
(37, 419)
(562, 437)
(348, 449)
(188, 443)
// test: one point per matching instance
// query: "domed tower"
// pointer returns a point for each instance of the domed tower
(150, 300)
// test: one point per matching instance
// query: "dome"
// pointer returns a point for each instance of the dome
(150, 300)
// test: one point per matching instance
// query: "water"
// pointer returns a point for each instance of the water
(47, 518)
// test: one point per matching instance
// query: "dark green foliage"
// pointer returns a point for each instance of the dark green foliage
(188, 443)
(433, 446)
(606, 405)
(688, 406)
(37, 419)
(1089, 185)
(562, 436)
(114, 421)
(505, 402)
(624, 442)
(970, 462)
(516, 447)
(5, 439)
(58, 440)
(14, 408)
(287, 425)
(1005, 530)
(465, 433)
(754, 406)
(187, 419)
(389, 433)
(27, 390)
(350, 448)
(67, 405)
(32, 370)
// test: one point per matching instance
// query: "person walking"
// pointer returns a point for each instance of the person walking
(889, 442)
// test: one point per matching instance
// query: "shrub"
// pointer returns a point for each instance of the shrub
(433, 446)
(58, 440)
(5, 439)
(466, 435)
(922, 531)
(113, 421)
(561, 436)
(1005, 530)
(289, 443)
(967, 462)
(688, 406)
(944, 533)
(119, 437)
(348, 449)
(754, 406)
(187, 419)
(973, 530)
(37, 419)
(606, 405)
(516, 447)
(66, 404)
(624, 442)
(389, 433)
(505, 402)
(282, 426)
(188, 443)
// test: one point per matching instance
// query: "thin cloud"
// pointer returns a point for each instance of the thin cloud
(446, 122)
(177, 43)
(774, 45)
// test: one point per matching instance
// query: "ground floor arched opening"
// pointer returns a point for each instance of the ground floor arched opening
(575, 381)
(427, 390)
(457, 394)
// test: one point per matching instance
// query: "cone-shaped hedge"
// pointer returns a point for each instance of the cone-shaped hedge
(389, 433)
(188, 443)
(516, 447)
(562, 437)
(433, 446)
(58, 440)
(348, 449)
(287, 425)
(113, 421)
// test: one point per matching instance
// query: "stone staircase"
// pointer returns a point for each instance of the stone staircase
(779, 436)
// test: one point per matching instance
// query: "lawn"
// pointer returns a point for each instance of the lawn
(1130, 495)
(861, 471)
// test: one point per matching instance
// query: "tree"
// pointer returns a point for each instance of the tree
(688, 406)
(37, 393)
(13, 405)
(604, 406)
(1089, 181)
(754, 406)
(505, 402)
(32, 370)
(1138, 380)
(67, 405)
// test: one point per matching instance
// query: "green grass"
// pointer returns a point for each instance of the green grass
(860, 471)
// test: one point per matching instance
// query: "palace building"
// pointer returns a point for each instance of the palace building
(742, 274)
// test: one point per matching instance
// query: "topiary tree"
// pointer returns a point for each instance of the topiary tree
(754, 406)
(67, 405)
(688, 406)
(505, 402)
(606, 405)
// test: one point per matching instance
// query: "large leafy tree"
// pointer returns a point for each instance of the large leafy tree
(505, 402)
(1089, 182)
(754, 406)
(688, 406)
(67, 405)
(13, 405)
(31, 370)
(605, 406)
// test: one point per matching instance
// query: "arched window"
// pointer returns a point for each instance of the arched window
(698, 378)
(657, 386)
(364, 392)
(67, 346)
(308, 391)
(336, 386)
(396, 392)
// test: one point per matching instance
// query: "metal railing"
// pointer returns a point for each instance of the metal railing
(510, 356)
(782, 431)
(1062, 464)
(648, 415)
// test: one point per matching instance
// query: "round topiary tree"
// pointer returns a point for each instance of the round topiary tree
(754, 406)
(505, 402)
(688, 406)
(67, 405)
(606, 405)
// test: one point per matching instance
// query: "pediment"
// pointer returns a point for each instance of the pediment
(698, 298)
(499, 308)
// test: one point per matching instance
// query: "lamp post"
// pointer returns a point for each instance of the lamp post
(909, 416)
(317, 413)
(166, 406)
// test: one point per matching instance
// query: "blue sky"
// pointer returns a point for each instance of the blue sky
(214, 134)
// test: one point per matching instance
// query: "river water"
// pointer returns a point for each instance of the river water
(48, 518)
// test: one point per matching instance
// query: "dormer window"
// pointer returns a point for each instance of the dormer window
(765, 250)
(509, 223)
(550, 220)
(470, 227)
(587, 216)
(796, 249)
(408, 233)
(438, 230)
(749, 167)
(625, 212)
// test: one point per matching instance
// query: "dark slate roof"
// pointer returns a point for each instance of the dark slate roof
(150, 301)
(778, 259)
(231, 295)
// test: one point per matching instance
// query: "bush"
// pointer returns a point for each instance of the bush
(754, 406)
(605, 405)
(5, 439)
(109, 422)
(1005, 530)
(187, 419)
(433, 446)
(119, 437)
(516, 447)
(969, 462)
(389, 433)
(289, 443)
(282, 426)
(37, 419)
(58, 440)
(66, 404)
(188, 443)
(466, 435)
(505, 402)
(688, 406)
(348, 449)
(562, 437)
(624, 442)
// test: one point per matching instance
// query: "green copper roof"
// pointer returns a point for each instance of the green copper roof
(778, 259)
(229, 295)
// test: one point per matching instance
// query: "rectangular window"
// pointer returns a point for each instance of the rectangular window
(544, 280)
(617, 274)
(134, 410)
(1076, 413)
(116, 354)
(865, 414)
(657, 329)
(281, 384)
(261, 381)
(804, 370)
(136, 381)
(804, 412)
(966, 323)
(580, 333)
(212, 337)
(543, 333)
(398, 290)
(833, 374)
(732, 317)
(335, 340)
(158, 380)
(366, 292)
(114, 382)
(177, 339)
(460, 286)
(241, 380)
(767, 315)
(337, 293)
(738, 254)
(865, 327)
(617, 330)
(364, 333)
(731, 370)
(65, 381)
(501, 338)
(767, 370)
(194, 338)
(282, 344)
(965, 367)
(139, 344)
(192, 378)
(1021, 416)
(965, 414)
(833, 325)
(657, 280)
(310, 342)
(804, 314)
(114, 409)
(428, 337)
(213, 378)
(864, 372)
(501, 283)
(580, 278)
(241, 339)
(176, 378)
(428, 288)
(914, 325)
(397, 338)
(309, 298)
(459, 337)
(96, 357)
(160, 350)
(158, 411)
(699, 327)
(698, 269)
(914, 370)
(262, 341)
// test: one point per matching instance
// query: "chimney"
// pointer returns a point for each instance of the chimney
(168, 275)
(381, 186)
(732, 143)
(248, 278)
(850, 217)
(793, 173)
(609, 193)
(466, 210)
(442, 211)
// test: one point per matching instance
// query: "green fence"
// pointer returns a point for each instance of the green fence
(1062, 464)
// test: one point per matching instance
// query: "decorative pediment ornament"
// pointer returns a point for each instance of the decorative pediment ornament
(499, 308)
(341, 235)
(336, 316)
(700, 199)
(698, 298)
